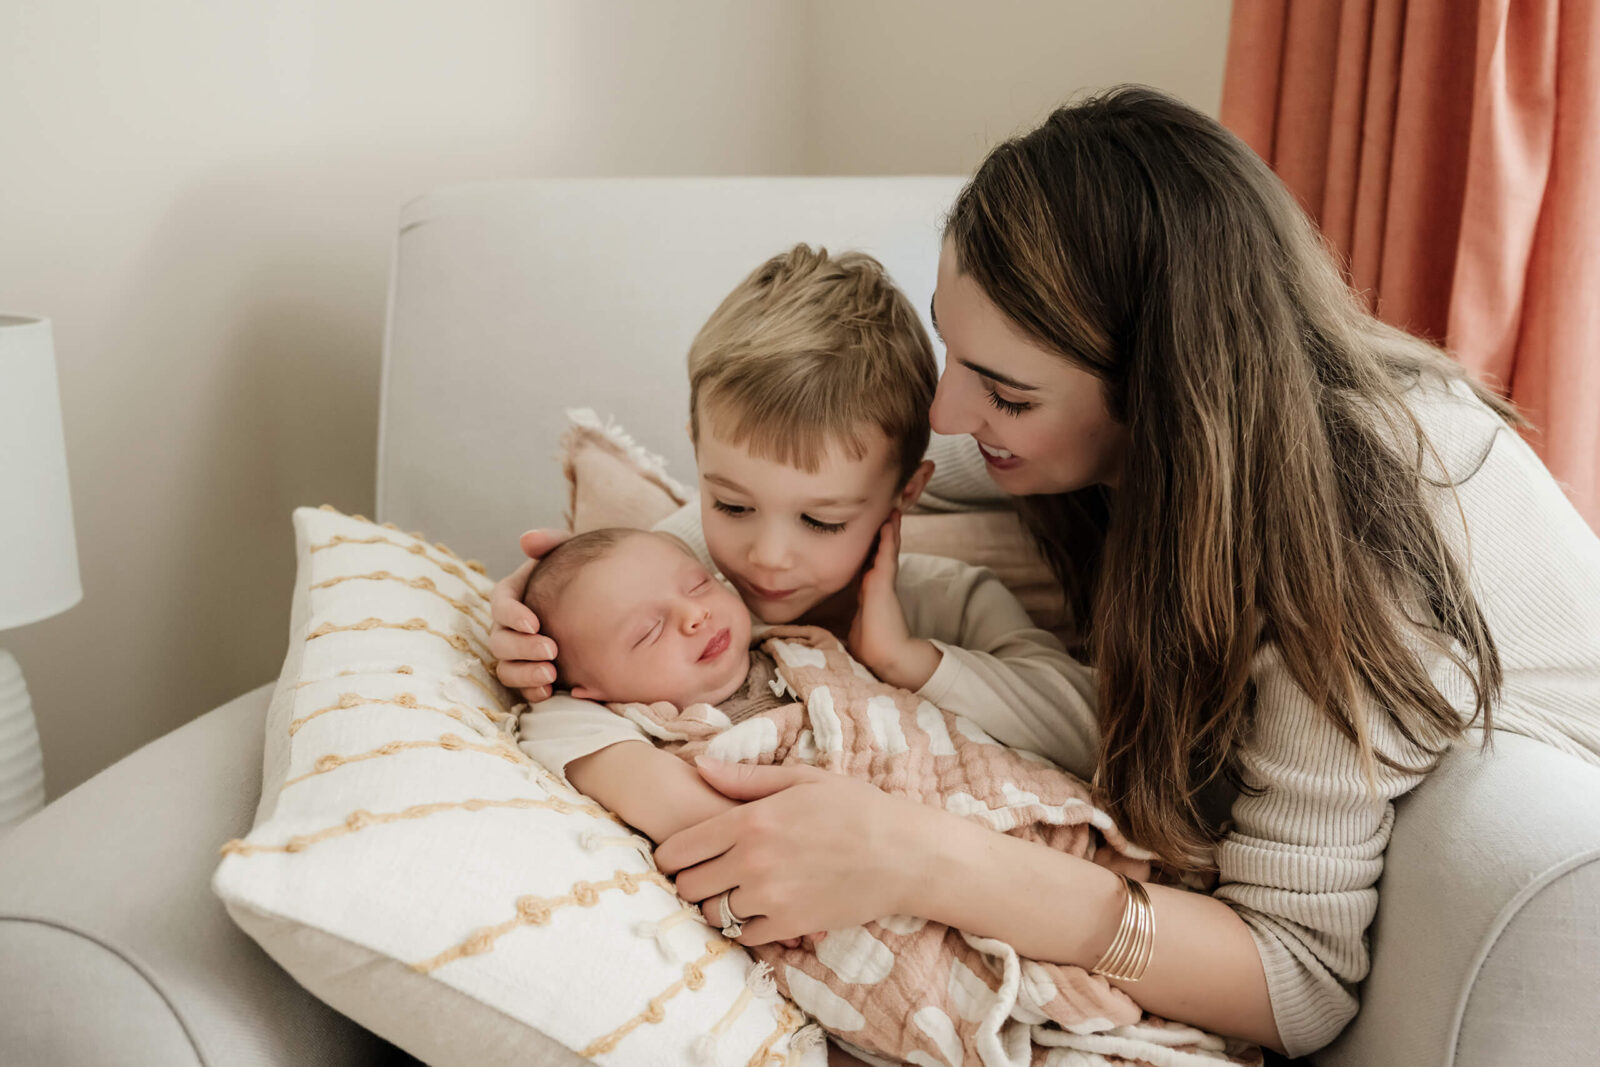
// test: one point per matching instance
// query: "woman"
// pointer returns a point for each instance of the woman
(1303, 551)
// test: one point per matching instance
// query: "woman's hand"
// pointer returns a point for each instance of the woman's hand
(524, 654)
(879, 635)
(810, 850)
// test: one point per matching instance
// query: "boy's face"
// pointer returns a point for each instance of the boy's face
(647, 622)
(788, 539)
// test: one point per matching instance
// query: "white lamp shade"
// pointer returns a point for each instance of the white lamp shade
(38, 550)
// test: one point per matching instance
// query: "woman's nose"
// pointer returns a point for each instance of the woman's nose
(950, 414)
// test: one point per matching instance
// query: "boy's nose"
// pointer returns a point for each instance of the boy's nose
(769, 550)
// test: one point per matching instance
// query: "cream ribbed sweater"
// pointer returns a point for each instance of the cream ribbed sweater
(1302, 860)
(1301, 863)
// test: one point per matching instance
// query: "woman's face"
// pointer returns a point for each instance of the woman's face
(1040, 421)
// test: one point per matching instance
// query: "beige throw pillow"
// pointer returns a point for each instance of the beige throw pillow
(415, 870)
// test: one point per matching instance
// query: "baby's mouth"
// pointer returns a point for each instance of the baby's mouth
(717, 645)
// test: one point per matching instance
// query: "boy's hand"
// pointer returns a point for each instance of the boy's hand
(515, 641)
(879, 636)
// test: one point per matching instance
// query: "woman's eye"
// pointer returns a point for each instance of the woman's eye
(1010, 407)
(729, 509)
(824, 527)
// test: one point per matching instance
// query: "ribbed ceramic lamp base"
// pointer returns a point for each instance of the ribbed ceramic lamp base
(21, 763)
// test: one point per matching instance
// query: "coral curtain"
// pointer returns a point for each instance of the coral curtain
(1450, 151)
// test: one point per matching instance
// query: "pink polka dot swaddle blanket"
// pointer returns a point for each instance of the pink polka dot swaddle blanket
(904, 988)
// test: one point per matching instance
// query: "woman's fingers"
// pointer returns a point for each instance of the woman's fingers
(536, 544)
(751, 781)
(525, 674)
(522, 652)
(696, 844)
(703, 882)
(507, 644)
(505, 601)
(761, 930)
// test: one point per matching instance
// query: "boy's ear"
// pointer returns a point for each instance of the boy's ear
(915, 485)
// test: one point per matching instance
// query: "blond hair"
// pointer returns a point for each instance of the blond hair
(809, 352)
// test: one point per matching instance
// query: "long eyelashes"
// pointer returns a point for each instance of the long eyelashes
(737, 510)
(1010, 407)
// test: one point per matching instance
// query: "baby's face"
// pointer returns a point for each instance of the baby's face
(647, 622)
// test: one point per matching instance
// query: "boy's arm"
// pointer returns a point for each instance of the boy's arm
(999, 669)
(652, 790)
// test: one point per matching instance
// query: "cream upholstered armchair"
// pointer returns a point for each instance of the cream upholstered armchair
(1486, 949)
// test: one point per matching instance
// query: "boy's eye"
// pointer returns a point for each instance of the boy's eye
(729, 509)
(824, 527)
(1010, 407)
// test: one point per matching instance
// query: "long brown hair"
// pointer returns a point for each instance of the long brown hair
(1272, 489)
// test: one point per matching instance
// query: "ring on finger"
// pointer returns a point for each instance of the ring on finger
(732, 925)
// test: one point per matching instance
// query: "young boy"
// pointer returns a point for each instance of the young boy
(809, 394)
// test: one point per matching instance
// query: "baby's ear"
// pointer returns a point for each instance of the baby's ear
(915, 485)
(583, 692)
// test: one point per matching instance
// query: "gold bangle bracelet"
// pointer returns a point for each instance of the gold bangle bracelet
(1130, 950)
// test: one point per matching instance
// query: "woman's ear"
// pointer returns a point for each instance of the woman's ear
(915, 485)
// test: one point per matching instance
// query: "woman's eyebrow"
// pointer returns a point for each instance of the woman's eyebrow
(978, 368)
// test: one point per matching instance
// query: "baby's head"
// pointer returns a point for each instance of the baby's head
(635, 617)
(809, 394)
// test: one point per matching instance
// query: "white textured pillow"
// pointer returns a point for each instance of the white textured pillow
(414, 869)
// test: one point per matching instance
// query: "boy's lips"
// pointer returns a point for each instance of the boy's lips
(717, 645)
(769, 594)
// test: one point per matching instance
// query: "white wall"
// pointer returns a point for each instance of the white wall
(928, 86)
(201, 195)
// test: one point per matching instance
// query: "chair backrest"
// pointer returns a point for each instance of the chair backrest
(511, 302)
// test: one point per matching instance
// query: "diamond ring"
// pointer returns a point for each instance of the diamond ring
(732, 925)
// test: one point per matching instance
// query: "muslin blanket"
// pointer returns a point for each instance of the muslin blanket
(902, 987)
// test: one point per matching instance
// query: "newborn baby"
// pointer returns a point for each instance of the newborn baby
(641, 624)
(637, 618)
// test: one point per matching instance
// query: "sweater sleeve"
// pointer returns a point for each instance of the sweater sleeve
(1301, 862)
(564, 728)
(999, 669)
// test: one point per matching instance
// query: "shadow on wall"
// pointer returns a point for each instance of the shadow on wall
(232, 377)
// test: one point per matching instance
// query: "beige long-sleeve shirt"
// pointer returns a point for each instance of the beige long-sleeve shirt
(1302, 861)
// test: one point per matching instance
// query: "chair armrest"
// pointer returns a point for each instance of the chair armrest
(1486, 946)
(113, 949)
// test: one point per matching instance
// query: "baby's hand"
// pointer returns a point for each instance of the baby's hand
(879, 636)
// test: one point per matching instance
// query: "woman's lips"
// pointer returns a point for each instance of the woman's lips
(1000, 460)
(717, 645)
